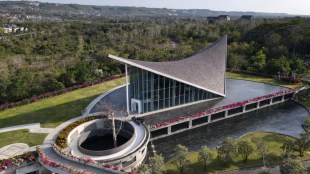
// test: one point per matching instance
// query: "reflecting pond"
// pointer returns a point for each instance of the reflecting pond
(285, 118)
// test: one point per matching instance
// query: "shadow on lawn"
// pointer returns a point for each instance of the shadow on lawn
(49, 117)
(216, 166)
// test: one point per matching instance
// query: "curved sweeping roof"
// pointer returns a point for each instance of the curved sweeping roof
(205, 70)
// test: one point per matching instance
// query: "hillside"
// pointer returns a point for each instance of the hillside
(65, 10)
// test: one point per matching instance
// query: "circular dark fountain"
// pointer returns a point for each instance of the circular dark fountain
(99, 142)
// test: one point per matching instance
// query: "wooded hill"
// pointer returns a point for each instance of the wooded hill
(69, 10)
(55, 55)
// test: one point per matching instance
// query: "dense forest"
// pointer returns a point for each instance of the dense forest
(55, 55)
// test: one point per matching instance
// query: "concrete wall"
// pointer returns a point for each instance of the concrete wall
(198, 122)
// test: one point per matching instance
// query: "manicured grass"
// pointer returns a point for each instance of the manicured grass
(21, 136)
(273, 140)
(53, 111)
(260, 79)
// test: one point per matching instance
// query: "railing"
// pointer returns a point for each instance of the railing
(220, 109)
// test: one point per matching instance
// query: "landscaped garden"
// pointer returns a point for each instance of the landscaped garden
(49, 112)
(273, 155)
(53, 111)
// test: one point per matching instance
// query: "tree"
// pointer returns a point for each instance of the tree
(144, 169)
(157, 164)
(3, 87)
(298, 65)
(236, 61)
(227, 150)
(291, 166)
(262, 148)
(205, 156)
(280, 65)
(259, 60)
(307, 122)
(302, 143)
(288, 147)
(308, 170)
(245, 148)
(272, 159)
(180, 158)
(114, 111)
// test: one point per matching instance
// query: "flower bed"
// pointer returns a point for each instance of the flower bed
(87, 160)
(221, 109)
(45, 160)
(16, 161)
(61, 139)
(55, 93)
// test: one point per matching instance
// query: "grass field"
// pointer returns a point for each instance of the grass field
(260, 79)
(21, 136)
(273, 140)
(53, 111)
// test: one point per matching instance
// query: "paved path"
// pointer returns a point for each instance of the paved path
(113, 96)
(33, 128)
(13, 150)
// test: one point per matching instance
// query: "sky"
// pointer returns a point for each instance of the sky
(298, 7)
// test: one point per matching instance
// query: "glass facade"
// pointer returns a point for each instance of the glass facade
(158, 92)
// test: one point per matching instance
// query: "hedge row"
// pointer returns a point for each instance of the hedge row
(61, 140)
(55, 93)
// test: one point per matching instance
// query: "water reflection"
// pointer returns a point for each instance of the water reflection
(285, 118)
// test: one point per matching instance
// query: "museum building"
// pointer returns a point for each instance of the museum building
(154, 86)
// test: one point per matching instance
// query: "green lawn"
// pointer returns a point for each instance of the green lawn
(53, 111)
(273, 140)
(260, 79)
(21, 136)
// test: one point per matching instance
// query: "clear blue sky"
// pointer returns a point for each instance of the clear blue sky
(301, 7)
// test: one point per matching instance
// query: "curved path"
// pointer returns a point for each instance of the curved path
(33, 128)
(80, 166)
(50, 139)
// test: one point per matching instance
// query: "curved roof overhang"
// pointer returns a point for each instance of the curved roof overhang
(204, 70)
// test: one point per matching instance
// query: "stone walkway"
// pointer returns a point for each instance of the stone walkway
(13, 150)
(33, 128)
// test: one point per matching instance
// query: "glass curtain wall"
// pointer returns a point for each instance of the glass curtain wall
(158, 92)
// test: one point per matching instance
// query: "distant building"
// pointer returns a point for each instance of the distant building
(13, 29)
(218, 19)
(224, 18)
(248, 17)
(212, 19)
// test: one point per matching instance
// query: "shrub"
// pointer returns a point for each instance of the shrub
(61, 140)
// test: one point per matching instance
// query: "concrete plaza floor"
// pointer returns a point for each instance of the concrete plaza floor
(13, 150)
(237, 91)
